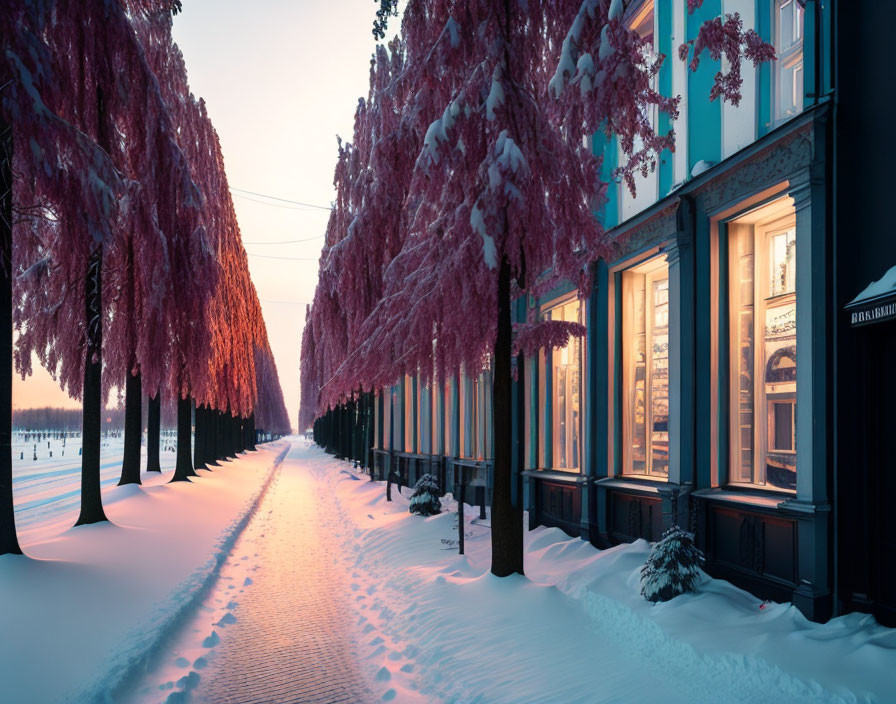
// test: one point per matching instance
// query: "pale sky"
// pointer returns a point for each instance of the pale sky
(281, 79)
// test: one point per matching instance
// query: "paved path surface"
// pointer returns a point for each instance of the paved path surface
(291, 639)
(275, 627)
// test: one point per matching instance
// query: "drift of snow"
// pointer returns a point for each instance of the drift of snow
(883, 286)
(460, 634)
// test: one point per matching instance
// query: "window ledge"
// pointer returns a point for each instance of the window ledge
(744, 498)
(642, 486)
(556, 476)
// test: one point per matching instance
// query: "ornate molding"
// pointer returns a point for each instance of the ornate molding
(781, 160)
(658, 228)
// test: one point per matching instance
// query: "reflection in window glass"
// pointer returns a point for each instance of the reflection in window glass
(645, 348)
(789, 63)
(762, 325)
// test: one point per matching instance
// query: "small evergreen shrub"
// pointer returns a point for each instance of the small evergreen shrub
(425, 499)
(673, 566)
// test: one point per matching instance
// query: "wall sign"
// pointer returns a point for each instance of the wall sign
(876, 304)
(878, 313)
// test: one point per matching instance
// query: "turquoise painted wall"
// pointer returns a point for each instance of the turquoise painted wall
(764, 101)
(664, 46)
(607, 147)
(704, 117)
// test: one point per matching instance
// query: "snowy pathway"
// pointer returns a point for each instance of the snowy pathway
(276, 627)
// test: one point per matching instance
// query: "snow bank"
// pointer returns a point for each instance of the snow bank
(88, 604)
(434, 625)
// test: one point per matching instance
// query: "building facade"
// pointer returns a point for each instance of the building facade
(687, 403)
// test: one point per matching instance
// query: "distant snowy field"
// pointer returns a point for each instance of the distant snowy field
(47, 491)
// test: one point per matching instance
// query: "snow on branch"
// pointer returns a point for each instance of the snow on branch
(530, 338)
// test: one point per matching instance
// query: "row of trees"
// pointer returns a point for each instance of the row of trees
(121, 254)
(470, 183)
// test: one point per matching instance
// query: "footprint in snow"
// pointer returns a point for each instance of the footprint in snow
(247, 582)
(383, 675)
(189, 682)
(389, 696)
(182, 662)
(212, 640)
(226, 619)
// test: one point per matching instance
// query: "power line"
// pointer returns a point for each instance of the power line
(292, 259)
(282, 200)
(307, 239)
(307, 209)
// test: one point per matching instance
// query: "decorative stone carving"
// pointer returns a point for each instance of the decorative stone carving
(777, 162)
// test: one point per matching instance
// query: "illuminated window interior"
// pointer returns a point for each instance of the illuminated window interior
(565, 375)
(645, 350)
(762, 329)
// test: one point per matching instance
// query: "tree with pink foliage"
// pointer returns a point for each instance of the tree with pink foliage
(502, 196)
(117, 168)
(90, 51)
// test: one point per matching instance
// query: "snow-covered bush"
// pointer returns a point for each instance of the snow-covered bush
(425, 499)
(673, 566)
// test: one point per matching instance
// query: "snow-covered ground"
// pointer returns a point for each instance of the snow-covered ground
(433, 625)
(89, 604)
(170, 589)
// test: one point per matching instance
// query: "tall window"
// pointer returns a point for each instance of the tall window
(475, 402)
(424, 419)
(564, 370)
(645, 350)
(447, 418)
(762, 325)
(436, 404)
(789, 66)
(639, 18)
(410, 414)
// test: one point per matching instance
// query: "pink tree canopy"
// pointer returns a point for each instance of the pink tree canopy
(178, 302)
(505, 94)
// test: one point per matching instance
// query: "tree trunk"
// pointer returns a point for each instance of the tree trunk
(199, 456)
(235, 434)
(153, 432)
(9, 543)
(250, 433)
(220, 435)
(460, 516)
(133, 429)
(507, 519)
(210, 443)
(92, 395)
(183, 470)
